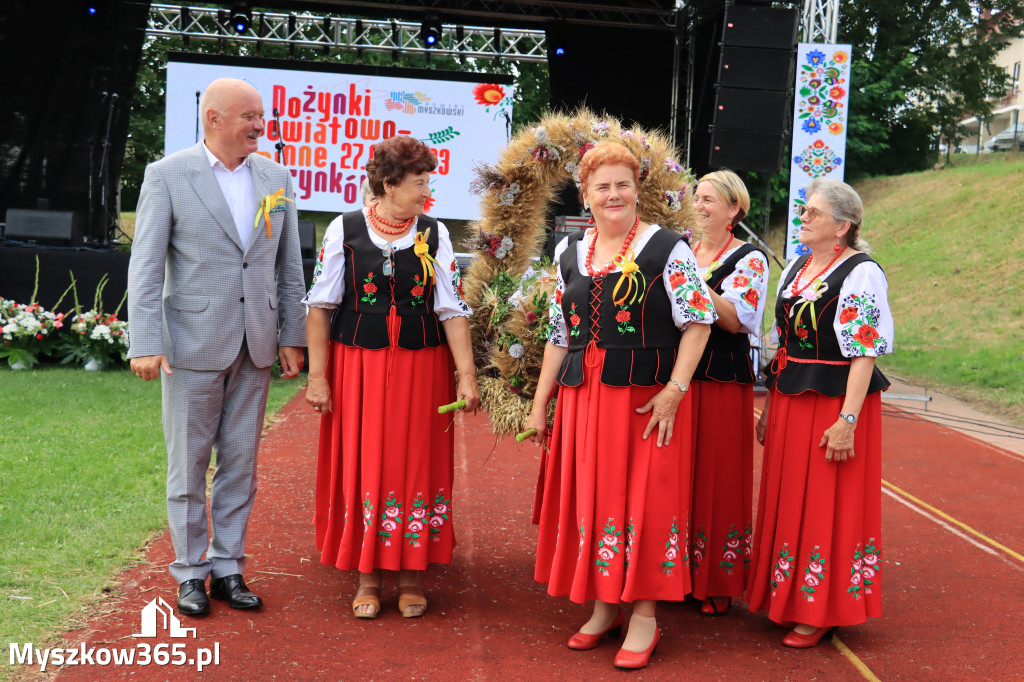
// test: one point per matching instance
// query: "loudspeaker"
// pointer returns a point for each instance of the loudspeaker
(747, 67)
(762, 111)
(307, 238)
(59, 228)
(741, 149)
(756, 61)
(554, 237)
(765, 27)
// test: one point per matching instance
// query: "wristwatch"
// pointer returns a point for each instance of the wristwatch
(850, 418)
(679, 385)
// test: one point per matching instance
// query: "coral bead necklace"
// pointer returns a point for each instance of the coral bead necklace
(379, 222)
(797, 289)
(611, 264)
(713, 265)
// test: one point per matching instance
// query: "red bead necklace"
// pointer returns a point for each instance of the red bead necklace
(611, 264)
(379, 222)
(719, 254)
(797, 289)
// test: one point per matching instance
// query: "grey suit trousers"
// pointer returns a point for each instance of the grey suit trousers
(202, 411)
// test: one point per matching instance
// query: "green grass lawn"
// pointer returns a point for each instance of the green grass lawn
(950, 242)
(82, 475)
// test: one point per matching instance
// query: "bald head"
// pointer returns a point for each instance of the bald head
(232, 114)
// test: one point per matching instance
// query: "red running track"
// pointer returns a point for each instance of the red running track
(953, 603)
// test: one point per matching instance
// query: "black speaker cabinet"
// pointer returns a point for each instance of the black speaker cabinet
(748, 67)
(764, 27)
(743, 149)
(55, 228)
(762, 111)
(307, 238)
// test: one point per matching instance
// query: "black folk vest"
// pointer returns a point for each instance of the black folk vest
(811, 359)
(639, 337)
(727, 355)
(362, 319)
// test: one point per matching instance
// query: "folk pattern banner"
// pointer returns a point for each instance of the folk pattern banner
(820, 112)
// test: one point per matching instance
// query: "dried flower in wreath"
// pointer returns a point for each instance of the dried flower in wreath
(675, 199)
(645, 168)
(671, 166)
(544, 152)
(601, 128)
(508, 194)
(487, 177)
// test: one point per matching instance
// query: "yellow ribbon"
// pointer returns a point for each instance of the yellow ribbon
(817, 289)
(422, 249)
(267, 204)
(630, 269)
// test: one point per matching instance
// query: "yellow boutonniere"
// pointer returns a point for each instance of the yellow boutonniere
(267, 205)
(630, 270)
(422, 249)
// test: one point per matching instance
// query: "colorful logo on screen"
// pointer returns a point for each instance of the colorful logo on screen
(406, 102)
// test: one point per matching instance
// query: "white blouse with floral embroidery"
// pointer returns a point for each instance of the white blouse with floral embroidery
(863, 322)
(681, 284)
(747, 289)
(328, 286)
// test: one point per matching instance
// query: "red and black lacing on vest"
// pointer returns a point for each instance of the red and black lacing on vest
(817, 364)
(376, 308)
(727, 355)
(643, 357)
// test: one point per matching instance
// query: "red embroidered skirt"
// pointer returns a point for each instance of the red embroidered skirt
(817, 545)
(723, 482)
(614, 508)
(385, 463)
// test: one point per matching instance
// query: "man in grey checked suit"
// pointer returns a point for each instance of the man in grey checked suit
(212, 300)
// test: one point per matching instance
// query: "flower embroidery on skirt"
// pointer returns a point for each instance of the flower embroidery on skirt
(607, 547)
(814, 573)
(781, 571)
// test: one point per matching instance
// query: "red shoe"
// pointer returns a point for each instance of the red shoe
(637, 659)
(582, 642)
(798, 641)
(710, 607)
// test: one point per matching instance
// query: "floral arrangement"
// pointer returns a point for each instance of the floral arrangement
(508, 289)
(27, 331)
(96, 340)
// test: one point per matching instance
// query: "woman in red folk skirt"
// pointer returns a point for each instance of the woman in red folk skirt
(723, 395)
(817, 545)
(386, 324)
(629, 320)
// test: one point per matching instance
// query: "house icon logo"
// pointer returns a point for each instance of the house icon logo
(158, 612)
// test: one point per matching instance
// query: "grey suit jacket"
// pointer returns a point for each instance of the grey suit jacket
(192, 290)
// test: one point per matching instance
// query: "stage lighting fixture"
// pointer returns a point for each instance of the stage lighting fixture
(241, 16)
(559, 51)
(430, 31)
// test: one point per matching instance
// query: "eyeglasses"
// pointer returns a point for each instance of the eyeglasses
(813, 213)
(389, 260)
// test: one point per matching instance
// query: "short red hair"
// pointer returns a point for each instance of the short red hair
(608, 153)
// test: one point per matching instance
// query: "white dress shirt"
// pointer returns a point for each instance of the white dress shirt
(236, 186)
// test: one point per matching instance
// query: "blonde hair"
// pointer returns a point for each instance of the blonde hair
(731, 190)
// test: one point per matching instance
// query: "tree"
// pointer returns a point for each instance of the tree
(919, 68)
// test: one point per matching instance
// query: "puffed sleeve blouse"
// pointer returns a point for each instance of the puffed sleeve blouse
(679, 289)
(329, 274)
(863, 322)
(747, 289)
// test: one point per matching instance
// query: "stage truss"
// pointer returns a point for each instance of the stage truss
(344, 34)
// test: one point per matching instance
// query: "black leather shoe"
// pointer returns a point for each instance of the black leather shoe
(192, 600)
(232, 589)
